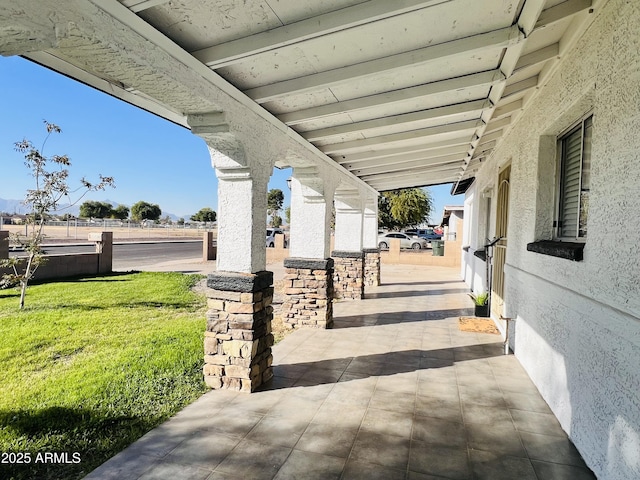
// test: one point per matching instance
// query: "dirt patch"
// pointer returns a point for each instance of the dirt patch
(477, 325)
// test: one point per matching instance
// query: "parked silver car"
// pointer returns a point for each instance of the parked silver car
(406, 241)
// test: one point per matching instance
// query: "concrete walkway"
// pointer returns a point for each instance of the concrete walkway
(394, 391)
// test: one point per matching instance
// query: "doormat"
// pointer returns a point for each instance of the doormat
(477, 325)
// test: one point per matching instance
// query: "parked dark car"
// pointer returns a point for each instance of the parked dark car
(426, 233)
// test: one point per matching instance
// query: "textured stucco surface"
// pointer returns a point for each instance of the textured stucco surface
(311, 200)
(578, 323)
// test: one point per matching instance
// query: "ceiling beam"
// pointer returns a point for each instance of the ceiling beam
(468, 46)
(440, 147)
(234, 51)
(561, 11)
(406, 157)
(517, 87)
(403, 166)
(417, 181)
(421, 135)
(110, 87)
(529, 14)
(140, 5)
(484, 147)
(483, 79)
(439, 169)
(445, 113)
(539, 56)
(488, 137)
(508, 109)
(498, 124)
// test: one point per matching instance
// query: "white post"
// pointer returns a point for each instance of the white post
(242, 221)
(370, 231)
(349, 223)
(310, 215)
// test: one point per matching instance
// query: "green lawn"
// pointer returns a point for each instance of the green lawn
(92, 364)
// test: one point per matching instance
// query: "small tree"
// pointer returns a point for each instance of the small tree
(121, 212)
(276, 221)
(204, 215)
(399, 209)
(145, 211)
(51, 186)
(91, 209)
(287, 215)
(275, 199)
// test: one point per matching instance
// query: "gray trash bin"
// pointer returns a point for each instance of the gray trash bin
(438, 248)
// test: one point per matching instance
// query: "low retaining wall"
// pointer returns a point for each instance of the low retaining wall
(75, 265)
(396, 256)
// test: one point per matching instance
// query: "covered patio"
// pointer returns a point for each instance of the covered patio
(394, 390)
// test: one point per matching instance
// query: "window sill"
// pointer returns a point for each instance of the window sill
(567, 250)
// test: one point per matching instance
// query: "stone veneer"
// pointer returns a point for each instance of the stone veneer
(238, 340)
(371, 267)
(348, 275)
(308, 290)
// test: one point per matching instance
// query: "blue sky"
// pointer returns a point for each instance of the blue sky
(150, 158)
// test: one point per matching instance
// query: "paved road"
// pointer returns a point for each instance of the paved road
(133, 255)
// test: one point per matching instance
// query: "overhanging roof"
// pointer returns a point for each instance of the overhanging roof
(400, 93)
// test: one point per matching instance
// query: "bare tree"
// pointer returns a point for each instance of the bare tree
(51, 187)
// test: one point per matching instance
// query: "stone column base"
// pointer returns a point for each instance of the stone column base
(238, 340)
(371, 267)
(308, 293)
(348, 275)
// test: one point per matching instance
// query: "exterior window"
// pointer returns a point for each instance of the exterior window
(575, 173)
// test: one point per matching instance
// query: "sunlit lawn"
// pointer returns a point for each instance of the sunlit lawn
(92, 364)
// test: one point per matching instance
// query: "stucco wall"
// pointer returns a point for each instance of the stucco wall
(578, 323)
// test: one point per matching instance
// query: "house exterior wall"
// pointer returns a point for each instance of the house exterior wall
(577, 324)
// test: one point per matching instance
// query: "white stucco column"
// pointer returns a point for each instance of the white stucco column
(311, 199)
(242, 213)
(238, 338)
(371, 271)
(308, 285)
(370, 227)
(348, 256)
(349, 223)
(242, 194)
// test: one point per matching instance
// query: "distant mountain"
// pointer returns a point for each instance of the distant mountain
(12, 206)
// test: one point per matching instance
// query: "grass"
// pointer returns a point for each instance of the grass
(92, 364)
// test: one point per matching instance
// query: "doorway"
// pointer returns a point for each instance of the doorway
(500, 248)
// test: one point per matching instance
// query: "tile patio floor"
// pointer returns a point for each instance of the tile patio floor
(394, 391)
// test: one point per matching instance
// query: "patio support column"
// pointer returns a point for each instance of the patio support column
(370, 244)
(348, 277)
(238, 339)
(4, 244)
(308, 280)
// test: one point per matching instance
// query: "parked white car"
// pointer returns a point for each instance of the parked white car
(271, 236)
(406, 241)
